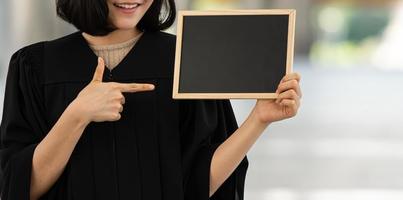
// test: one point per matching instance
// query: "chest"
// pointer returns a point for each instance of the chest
(159, 102)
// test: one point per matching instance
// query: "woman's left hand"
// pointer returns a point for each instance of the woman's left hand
(285, 106)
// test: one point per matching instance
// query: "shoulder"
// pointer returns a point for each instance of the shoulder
(33, 55)
(163, 40)
(28, 58)
(168, 37)
(31, 59)
(36, 50)
(158, 49)
(25, 69)
(163, 36)
(62, 43)
(31, 52)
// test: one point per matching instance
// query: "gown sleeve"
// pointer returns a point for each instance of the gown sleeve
(22, 123)
(205, 124)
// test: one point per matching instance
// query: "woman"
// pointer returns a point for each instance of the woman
(72, 129)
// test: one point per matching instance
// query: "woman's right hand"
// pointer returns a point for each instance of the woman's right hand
(103, 101)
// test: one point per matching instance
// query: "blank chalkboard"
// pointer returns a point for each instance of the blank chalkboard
(232, 54)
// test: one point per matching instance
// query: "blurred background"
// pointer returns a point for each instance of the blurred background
(346, 143)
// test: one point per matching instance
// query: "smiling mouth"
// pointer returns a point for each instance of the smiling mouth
(127, 6)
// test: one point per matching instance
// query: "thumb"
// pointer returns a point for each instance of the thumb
(99, 71)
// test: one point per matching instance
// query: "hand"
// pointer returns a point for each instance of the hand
(103, 101)
(285, 106)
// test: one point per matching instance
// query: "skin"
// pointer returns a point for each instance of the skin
(103, 101)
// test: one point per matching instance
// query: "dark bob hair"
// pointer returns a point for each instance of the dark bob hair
(91, 16)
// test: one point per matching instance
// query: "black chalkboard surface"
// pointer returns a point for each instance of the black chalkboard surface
(233, 54)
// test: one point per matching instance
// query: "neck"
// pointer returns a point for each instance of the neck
(117, 36)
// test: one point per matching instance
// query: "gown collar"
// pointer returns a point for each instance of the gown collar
(71, 59)
(121, 70)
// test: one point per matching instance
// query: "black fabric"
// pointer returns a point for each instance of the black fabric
(161, 148)
(22, 122)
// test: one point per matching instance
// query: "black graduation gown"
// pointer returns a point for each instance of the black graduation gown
(161, 148)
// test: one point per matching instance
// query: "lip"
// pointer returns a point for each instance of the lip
(128, 2)
(127, 9)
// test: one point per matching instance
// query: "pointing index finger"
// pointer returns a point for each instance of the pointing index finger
(99, 71)
(136, 87)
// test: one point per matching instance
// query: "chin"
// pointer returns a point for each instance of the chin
(125, 26)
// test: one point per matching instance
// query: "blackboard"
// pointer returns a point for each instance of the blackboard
(232, 54)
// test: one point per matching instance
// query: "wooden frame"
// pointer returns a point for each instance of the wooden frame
(290, 52)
